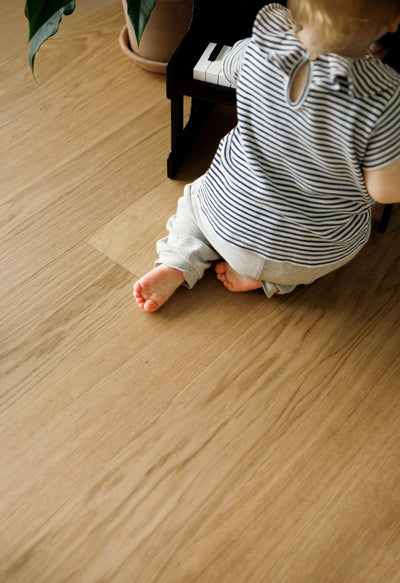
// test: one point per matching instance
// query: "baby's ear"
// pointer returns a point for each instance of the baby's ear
(394, 23)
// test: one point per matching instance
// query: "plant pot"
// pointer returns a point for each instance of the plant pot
(165, 29)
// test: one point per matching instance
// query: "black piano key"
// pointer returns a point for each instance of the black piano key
(215, 52)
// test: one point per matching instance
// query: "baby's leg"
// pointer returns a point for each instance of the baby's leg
(233, 281)
(157, 286)
(184, 255)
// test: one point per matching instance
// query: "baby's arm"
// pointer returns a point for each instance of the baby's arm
(381, 163)
(383, 184)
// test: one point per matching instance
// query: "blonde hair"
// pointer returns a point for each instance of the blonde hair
(342, 21)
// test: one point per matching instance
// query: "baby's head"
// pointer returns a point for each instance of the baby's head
(345, 26)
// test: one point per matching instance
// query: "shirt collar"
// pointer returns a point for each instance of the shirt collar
(276, 36)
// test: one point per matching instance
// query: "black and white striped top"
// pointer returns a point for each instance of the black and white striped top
(287, 181)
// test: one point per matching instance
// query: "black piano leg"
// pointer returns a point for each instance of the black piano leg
(387, 211)
(182, 138)
(173, 161)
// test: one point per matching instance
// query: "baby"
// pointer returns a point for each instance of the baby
(288, 196)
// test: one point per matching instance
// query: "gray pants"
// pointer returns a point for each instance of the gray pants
(192, 245)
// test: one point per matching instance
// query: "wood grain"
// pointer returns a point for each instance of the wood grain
(225, 438)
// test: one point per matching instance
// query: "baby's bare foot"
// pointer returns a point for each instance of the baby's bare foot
(233, 281)
(156, 287)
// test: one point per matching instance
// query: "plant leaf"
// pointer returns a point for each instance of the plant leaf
(139, 13)
(38, 12)
(44, 19)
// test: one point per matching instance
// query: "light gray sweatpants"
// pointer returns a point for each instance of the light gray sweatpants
(192, 245)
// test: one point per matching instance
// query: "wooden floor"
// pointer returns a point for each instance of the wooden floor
(226, 438)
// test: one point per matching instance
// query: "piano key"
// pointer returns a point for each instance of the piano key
(200, 68)
(223, 81)
(215, 52)
(214, 69)
(209, 66)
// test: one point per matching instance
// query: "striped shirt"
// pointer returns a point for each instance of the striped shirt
(287, 182)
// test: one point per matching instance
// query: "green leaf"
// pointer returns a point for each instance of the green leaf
(139, 13)
(39, 12)
(44, 19)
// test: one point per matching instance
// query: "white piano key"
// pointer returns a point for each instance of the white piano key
(214, 69)
(223, 81)
(199, 71)
(211, 71)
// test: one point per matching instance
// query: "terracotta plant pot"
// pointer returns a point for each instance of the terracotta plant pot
(165, 29)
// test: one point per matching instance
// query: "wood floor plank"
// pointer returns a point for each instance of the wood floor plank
(60, 210)
(47, 317)
(130, 239)
(297, 440)
(94, 112)
(96, 358)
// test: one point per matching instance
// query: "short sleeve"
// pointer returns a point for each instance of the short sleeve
(384, 143)
(232, 63)
(272, 20)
